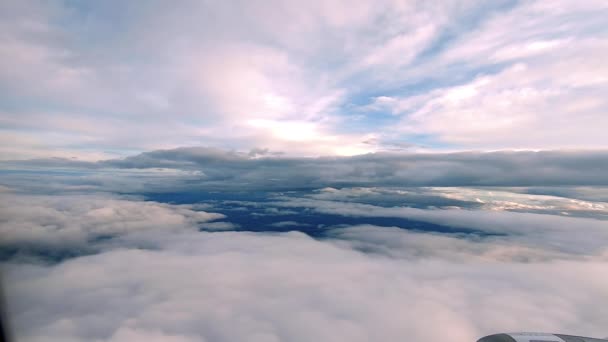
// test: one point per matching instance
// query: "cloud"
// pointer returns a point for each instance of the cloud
(221, 225)
(233, 286)
(551, 232)
(506, 199)
(597, 193)
(473, 168)
(487, 111)
(64, 226)
(413, 245)
(534, 82)
(563, 201)
(460, 75)
(282, 224)
(419, 197)
(241, 68)
(185, 169)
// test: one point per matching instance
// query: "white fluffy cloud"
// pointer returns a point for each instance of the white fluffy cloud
(71, 223)
(399, 243)
(289, 287)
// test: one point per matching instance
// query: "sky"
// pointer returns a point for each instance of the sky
(215, 171)
(100, 80)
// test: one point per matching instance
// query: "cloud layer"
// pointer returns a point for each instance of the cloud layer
(109, 267)
(234, 286)
(215, 169)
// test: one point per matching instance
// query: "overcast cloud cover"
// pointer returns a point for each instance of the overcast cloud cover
(303, 170)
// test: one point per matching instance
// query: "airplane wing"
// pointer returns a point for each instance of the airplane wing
(537, 337)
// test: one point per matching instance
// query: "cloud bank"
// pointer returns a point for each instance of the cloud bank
(233, 286)
(209, 168)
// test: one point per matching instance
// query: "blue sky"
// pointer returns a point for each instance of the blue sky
(102, 80)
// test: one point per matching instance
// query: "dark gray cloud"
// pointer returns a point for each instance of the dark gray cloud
(208, 168)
